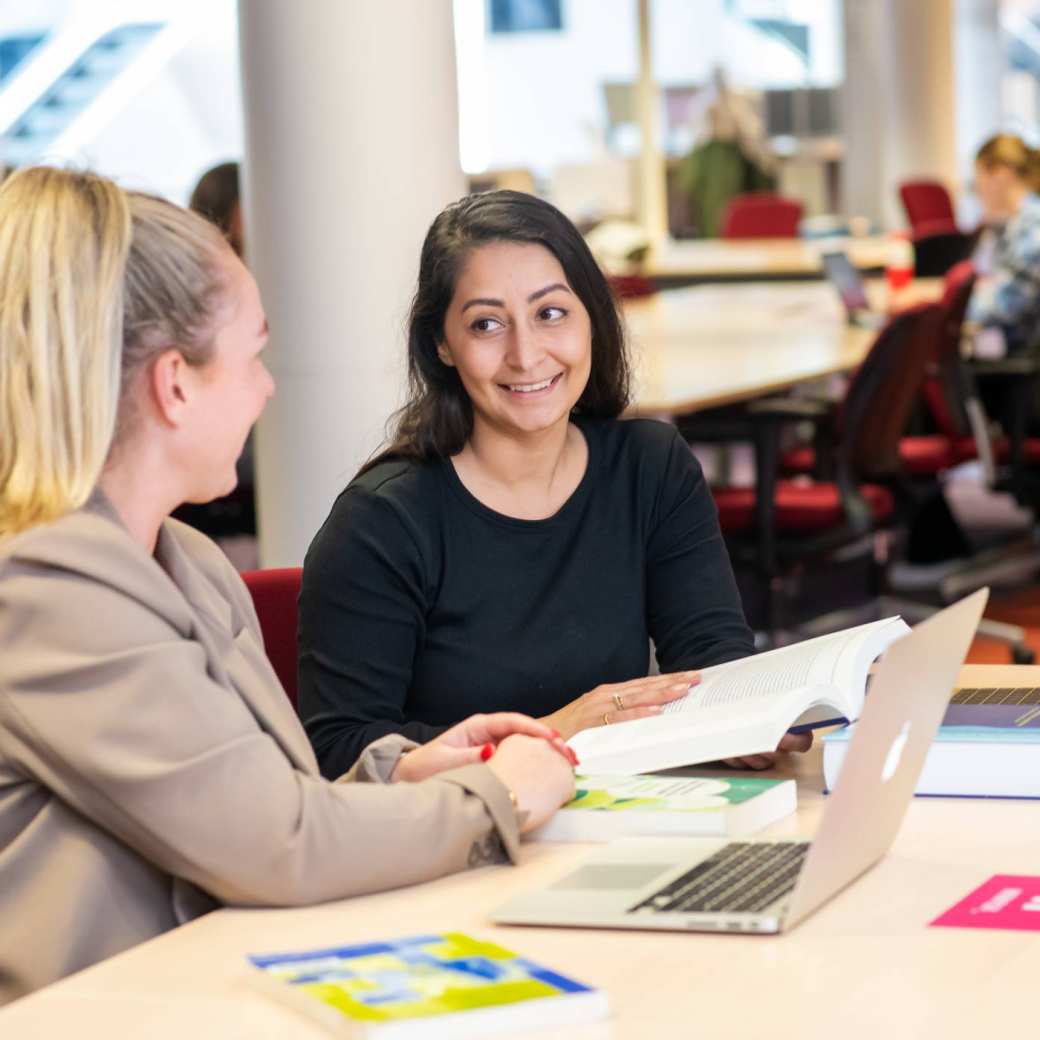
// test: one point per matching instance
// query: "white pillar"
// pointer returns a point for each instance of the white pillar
(653, 204)
(351, 149)
(980, 65)
(862, 115)
(922, 104)
(900, 102)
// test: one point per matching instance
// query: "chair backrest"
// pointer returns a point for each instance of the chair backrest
(943, 389)
(275, 593)
(882, 393)
(937, 251)
(631, 286)
(926, 201)
(761, 215)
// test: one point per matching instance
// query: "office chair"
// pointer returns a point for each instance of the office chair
(761, 215)
(779, 529)
(934, 538)
(938, 246)
(275, 593)
(926, 201)
(631, 286)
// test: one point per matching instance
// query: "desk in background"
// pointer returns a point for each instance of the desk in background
(712, 345)
(865, 965)
(754, 259)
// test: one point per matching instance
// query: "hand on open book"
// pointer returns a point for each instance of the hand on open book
(621, 702)
(788, 742)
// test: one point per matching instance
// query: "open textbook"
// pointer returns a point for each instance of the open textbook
(744, 707)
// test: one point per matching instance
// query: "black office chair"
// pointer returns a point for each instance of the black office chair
(783, 529)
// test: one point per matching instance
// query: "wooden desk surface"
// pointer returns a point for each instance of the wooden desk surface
(711, 345)
(747, 259)
(864, 965)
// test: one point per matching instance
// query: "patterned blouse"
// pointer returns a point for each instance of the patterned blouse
(1010, 297)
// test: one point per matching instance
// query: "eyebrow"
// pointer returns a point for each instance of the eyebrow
(488, 301)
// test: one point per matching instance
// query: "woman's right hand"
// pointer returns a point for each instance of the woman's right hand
(539, 776)
(621, 702)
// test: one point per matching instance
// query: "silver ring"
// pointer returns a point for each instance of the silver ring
(618, 702)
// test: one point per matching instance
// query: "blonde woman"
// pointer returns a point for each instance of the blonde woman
(151, 768)
(1007, 298)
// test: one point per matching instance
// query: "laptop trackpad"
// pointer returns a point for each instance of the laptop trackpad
(608, 876)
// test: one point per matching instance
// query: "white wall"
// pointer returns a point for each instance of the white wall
(186, 113)
(544, 99)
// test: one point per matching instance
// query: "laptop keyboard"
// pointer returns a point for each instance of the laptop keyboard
(742, 877)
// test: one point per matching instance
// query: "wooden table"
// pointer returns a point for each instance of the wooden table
(756, 259)
(865, 965)
(711, 345)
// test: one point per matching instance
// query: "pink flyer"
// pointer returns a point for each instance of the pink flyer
(1005, 901)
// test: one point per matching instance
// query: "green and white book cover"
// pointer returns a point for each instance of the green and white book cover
(608, 807)
(428, 986)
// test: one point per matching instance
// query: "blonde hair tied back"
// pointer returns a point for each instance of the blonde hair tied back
(95, 282)
(1011, 151)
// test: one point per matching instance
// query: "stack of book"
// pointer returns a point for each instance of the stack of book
(987, 747)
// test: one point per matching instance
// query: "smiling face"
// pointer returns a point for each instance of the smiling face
(519, 338)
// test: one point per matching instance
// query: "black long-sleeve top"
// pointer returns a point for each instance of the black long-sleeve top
(421, 606)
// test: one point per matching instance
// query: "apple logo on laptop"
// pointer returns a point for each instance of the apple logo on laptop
(895, 754)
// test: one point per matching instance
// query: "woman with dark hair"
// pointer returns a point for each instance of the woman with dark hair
(517, 546)
(217, 198)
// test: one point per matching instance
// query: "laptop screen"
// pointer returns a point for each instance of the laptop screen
(847, 280)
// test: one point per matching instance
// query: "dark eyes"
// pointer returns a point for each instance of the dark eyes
(551, 313)
(546, 314)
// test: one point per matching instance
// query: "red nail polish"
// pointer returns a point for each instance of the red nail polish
(486, 752)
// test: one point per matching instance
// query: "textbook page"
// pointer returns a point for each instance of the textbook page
(744, 707)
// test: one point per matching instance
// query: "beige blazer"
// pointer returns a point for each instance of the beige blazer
(152, 769)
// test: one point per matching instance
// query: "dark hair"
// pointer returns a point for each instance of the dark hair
(216, 195)
(437, 419)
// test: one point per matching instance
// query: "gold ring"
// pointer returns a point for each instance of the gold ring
(618, 702)
(606, 718)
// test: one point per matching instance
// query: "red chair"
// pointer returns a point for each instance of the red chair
(927, 202)
(927, 454)
(780, 528)
(631, 286)
(761, 215)
(275, 593)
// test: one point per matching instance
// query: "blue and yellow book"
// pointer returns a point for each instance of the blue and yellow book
(430, 986)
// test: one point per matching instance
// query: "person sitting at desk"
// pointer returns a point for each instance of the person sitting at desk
(517, 546)
(151, 767)
(1006, 299)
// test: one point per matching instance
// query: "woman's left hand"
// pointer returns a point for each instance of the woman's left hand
(788, 742)
(473, 740)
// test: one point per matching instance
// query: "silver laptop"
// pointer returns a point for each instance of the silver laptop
(768, 886)
(844, 276)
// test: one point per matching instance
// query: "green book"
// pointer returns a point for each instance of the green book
(608, 807)
(446, 985)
